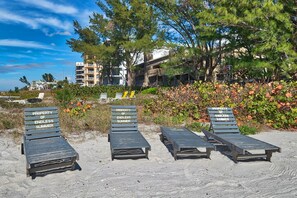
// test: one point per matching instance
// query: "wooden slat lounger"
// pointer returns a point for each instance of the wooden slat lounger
(45, 148)
(224, 129)
(125, 139)
(185, 142)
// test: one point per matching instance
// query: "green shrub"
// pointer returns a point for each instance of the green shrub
(64, 96)
(8, 124)
(152, 90)
(197, 126)
(247, 130)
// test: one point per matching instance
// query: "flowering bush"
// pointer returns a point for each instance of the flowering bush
(77, 109)
(273, 104)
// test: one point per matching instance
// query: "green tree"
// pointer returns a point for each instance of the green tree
(251, 35)
(197, 45)
(24, 80)
(290, 6)
(118, 34)
(48, 77)
(62, 83)
(257, 35)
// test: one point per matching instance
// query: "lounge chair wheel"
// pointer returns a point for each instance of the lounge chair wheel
(22, 149)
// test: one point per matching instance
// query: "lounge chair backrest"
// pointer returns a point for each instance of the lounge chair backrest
(125, 94)
(41, 96)
(103, 96)
(222, 120)
(132, 94)
(118, 95)
(41, 123)
(123, 119)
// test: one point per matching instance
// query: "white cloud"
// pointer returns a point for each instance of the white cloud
(54, 22)
(23, 44)
(56, 8)
(44, 23)
(6, 16)
(50, 34)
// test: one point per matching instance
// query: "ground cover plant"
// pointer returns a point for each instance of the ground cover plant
(255, 105)
(272, 104)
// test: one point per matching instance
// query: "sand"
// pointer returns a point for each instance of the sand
(160, 176)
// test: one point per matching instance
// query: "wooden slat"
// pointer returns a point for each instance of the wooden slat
(226, 130)
(123, 129)
(40, 109)
(225, 126)
(124, 114)
(124, 117)
(40, 113)
(42, 126)
(56, 130)
(41, 117)
(133, 108)
(40, 136)
(131, 125)
(41, 121)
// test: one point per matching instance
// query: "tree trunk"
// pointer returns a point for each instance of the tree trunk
(146, 78)
(131, 78)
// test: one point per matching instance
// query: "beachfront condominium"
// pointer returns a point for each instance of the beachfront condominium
(91, 73)
(88, 74)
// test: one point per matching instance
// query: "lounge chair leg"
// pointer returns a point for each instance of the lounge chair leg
(146, 153)
(268, 155)
(175, 154)
(208, 151)
(234, 156)
(73, 167)
(28, 172)
(22, 149)
(112, 158)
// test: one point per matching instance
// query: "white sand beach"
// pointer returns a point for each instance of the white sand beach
(160, 176)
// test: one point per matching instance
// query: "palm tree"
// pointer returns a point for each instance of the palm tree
(48, 77)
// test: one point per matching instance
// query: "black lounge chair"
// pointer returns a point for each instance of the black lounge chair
(224, 130)
(185, 142)
(125, 139)
(38, 99)
(46, 150)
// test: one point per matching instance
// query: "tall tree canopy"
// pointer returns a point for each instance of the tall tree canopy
(258, 35)
(24, 80)
(123, 30)
(48, 77)
(250, 34)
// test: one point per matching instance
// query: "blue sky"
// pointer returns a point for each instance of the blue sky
(33, 36)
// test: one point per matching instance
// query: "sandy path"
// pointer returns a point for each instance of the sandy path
(160, 176)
